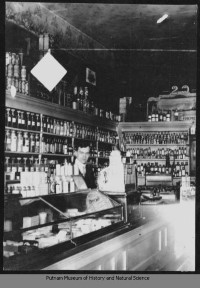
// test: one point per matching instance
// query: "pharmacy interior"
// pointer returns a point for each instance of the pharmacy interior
(128, 92)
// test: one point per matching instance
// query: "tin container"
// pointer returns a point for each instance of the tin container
(13, 58)
(16, 84)
(12, 81)
(8, 58)
(41, 42)
(16, 71)
(20, 85)
(23, 73)
(10, 70)
(26, 88)
(46, 41)
(23, 86)
(8, 82)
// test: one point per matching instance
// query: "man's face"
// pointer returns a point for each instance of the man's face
(83, 154)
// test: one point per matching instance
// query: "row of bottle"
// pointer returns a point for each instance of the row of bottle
(14, 66)
(22, 119)
(32, 121)
(107, 136)
(76, 98)
(163, 116)
(177, 170)
(156, 138)
(160, 153)
(32, 164)
(17, 141)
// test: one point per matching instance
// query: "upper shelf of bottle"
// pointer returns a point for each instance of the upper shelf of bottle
(154, 126)
(26, 102)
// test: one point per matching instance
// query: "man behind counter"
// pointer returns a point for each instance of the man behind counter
(82, 154)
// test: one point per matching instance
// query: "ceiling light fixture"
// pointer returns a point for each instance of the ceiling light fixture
(165, 16)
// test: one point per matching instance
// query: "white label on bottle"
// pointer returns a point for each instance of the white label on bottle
(8, 169)
(14, 120)
(32, 169)
(14, 169)
(19, 120)
(8, 141)
(14, 145)
(38, 123)
(26, 169)
(20, 169)
(33, 123)
(23, 121)
(9, 119)
(29, 122)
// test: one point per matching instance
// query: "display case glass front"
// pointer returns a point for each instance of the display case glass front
(34, 224)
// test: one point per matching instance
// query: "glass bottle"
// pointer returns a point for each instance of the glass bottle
(32, 164)
(33, 126)
(65, 128)
(14, 120)
(32, 143)
(23, 122)
(60, 146)
(7, 165)
(57, 128)
(28, 120)
(8, 121)
(38, 124)
(25, 143)
(61, 128)
(19, 142)
(37, 165)
(74, 101)
(47, 145)
(26, 166)
(8, 141)
(13, 141)
(43, 145)
(19, 169)
(14, 167)
(44, 123)
(51, 125)
(65, 147)
(54, 126)
(37, 143)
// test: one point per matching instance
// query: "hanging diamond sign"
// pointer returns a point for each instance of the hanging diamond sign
(48, 71)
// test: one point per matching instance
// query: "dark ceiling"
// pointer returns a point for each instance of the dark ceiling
(125, 26)
(150, 57)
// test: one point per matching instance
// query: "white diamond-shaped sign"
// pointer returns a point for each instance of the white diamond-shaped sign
(48, 71)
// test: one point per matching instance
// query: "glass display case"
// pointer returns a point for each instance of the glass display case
(34, 225)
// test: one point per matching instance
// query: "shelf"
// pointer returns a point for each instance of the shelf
(57, 155)
(153, 127)
(164, 159)
(39, 106)
(155, 145)
(106, 143)
(23, 130)
(84, 139)
(22, 153)
(56, 135)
